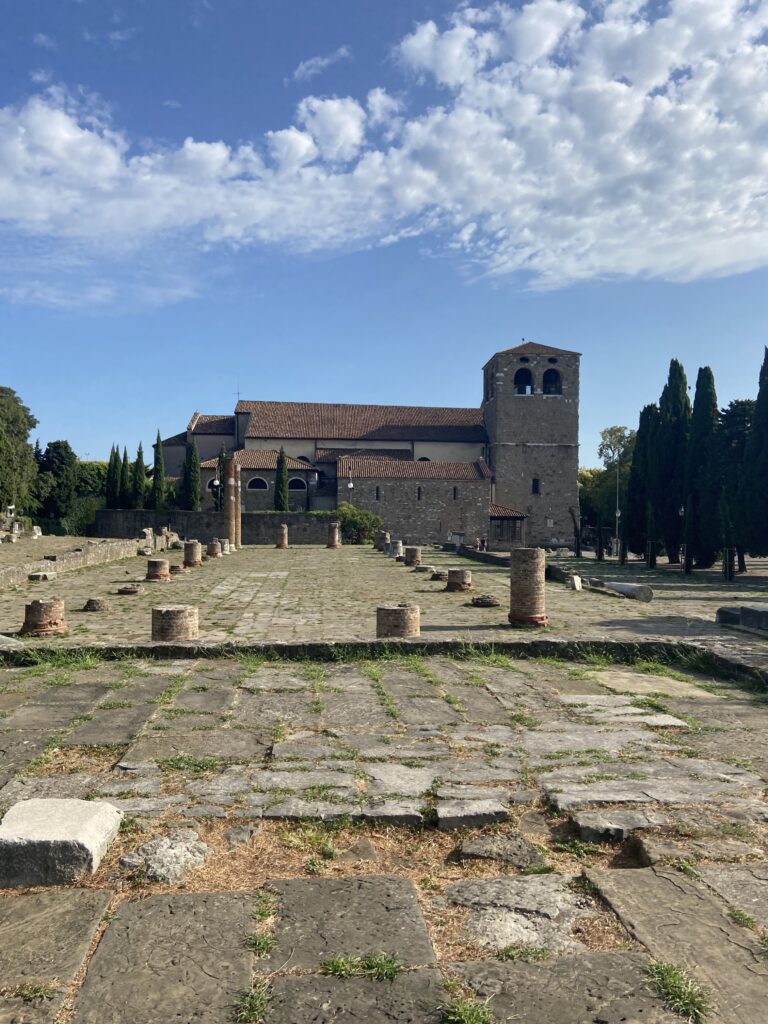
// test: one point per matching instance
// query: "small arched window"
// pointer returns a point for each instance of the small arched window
(418, 494)
(524, 381)
(535, 486)
(455, 493)
(296, 484)
(378, 494)
(552, 384)
(257, 483)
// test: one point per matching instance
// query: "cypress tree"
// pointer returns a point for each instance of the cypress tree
(732, 435)
(638, 486)
(281, 483)
(125, 498)
(112, 487)
(756, 472)
(669, 460)
(703, 533)
(193, 477)
(157, 492)
(139, 479)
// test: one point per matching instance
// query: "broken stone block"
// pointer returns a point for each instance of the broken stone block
(614, 826)
(363, 849)
(512, 849)
(53, 842)
(240, 834)
(453, 814)
(169, 858)
(40, 577)
(664, 851)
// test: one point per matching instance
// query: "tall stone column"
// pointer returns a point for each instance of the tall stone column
(238, 539)
(230, 498)
(526, 587)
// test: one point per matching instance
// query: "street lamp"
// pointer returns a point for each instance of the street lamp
(217, 488)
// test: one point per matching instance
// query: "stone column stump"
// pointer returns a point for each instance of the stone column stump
(459, 580)
(214, 549)
(334, 535)
(281, 540)
(193, 554)
(174, 623)
(395, 548)
(398, 620)
(413, 556)
(526, 587)
(44, 618)
(225, 545)
(158, 570)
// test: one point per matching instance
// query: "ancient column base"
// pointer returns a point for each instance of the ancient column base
(44, 618)
(174, 623)
(459, 580)
(527, 620)
(398, 620)
(158, 570)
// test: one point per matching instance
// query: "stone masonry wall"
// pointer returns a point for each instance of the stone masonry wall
(258, 527)
(92, 553)
(433, 516)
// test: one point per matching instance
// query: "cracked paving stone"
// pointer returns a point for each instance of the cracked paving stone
(45, 787)
(109, 727)
(472, 813)
(17, 750)
(555, 737)
(743, 885)
(178, 958)
(413, 998)
(511, 849)
(294, 809)
(327, 917)
(614, 825)
(538, 910)
(21, 1011)
(225, 744)
(657, 850)
(393, 812)
(46, 935)
(594, 988)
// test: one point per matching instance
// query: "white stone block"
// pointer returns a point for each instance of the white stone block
(53, 842)
(574, 583)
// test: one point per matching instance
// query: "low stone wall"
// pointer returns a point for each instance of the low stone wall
(92, 553)
(489, 557)
(258, 527)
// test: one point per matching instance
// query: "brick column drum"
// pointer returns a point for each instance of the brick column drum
(214, 549)
(158, 570)
(193, 554)
(238, 538)
(230, 497)
(398, 620)
(174, 623)
(413, 556)
(281, 540)
(334, 535)
(526, 587)
(395, 548)
(459, 580)
(44, 618)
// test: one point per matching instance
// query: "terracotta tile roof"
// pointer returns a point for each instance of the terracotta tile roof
(365, 468)
(258, 459)
(177, 439)
(364, 422)
(334, 454)
(532, 348)
(503, 512)
(212, 425)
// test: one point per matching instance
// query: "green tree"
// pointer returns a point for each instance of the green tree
(140, 482)
(112, 484)
(703, 533)
(60, 462)
(756, 471)
(18, 468)
(125, 494)
(638, 530)
(732, 435)
(157, 492)
(281, 483)
(91, 479)
(358, 526)
(189, 491)
(669, 460)
(615, 449)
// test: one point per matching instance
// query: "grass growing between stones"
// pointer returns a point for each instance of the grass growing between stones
(252, 1006)
(524, 954)
(194, 767)
(379, 966)
(681, 994)
(741, 917)
(466, 1010)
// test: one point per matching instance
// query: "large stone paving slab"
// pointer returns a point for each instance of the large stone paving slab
(223, 744)
(743, 885)
(165, 959)
(109, 728)
(46, 935)
(595, 988)
(35, 1011)
(322, 918)
(413, 998)
(679, 920)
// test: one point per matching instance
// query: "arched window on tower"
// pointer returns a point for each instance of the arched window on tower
(523, 381)
(295, 484)
(257, 483)
(552, 385)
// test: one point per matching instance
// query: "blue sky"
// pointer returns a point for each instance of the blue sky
(347, 200)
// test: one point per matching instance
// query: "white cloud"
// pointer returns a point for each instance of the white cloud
(568, 141)
(316, 65)
(45, 42)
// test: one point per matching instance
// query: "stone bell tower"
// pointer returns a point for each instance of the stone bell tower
(531, 413)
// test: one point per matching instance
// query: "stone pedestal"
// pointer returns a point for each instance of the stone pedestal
(178, 570)
(44, 618)
(395, 548)
(225, 546)
(158, 569)
(214, 549)
(281, 538)
(174, 623)
(96, 604)
(398, 620)
(334, 535)
(413, 556)
(526, 587)
(193, 554)
(459, 580)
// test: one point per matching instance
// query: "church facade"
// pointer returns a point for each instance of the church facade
(506, 471)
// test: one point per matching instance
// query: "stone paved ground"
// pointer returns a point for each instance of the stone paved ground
(27, 550)
(311, 594)
(412, 839)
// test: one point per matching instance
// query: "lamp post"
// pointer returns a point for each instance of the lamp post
(618, 510)
(217, 488)
(683, 547)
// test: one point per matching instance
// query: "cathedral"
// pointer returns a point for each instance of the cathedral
(506, 471)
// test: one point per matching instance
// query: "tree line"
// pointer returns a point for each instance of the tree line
(691, 481)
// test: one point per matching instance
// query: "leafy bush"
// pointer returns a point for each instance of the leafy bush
(357, 525)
